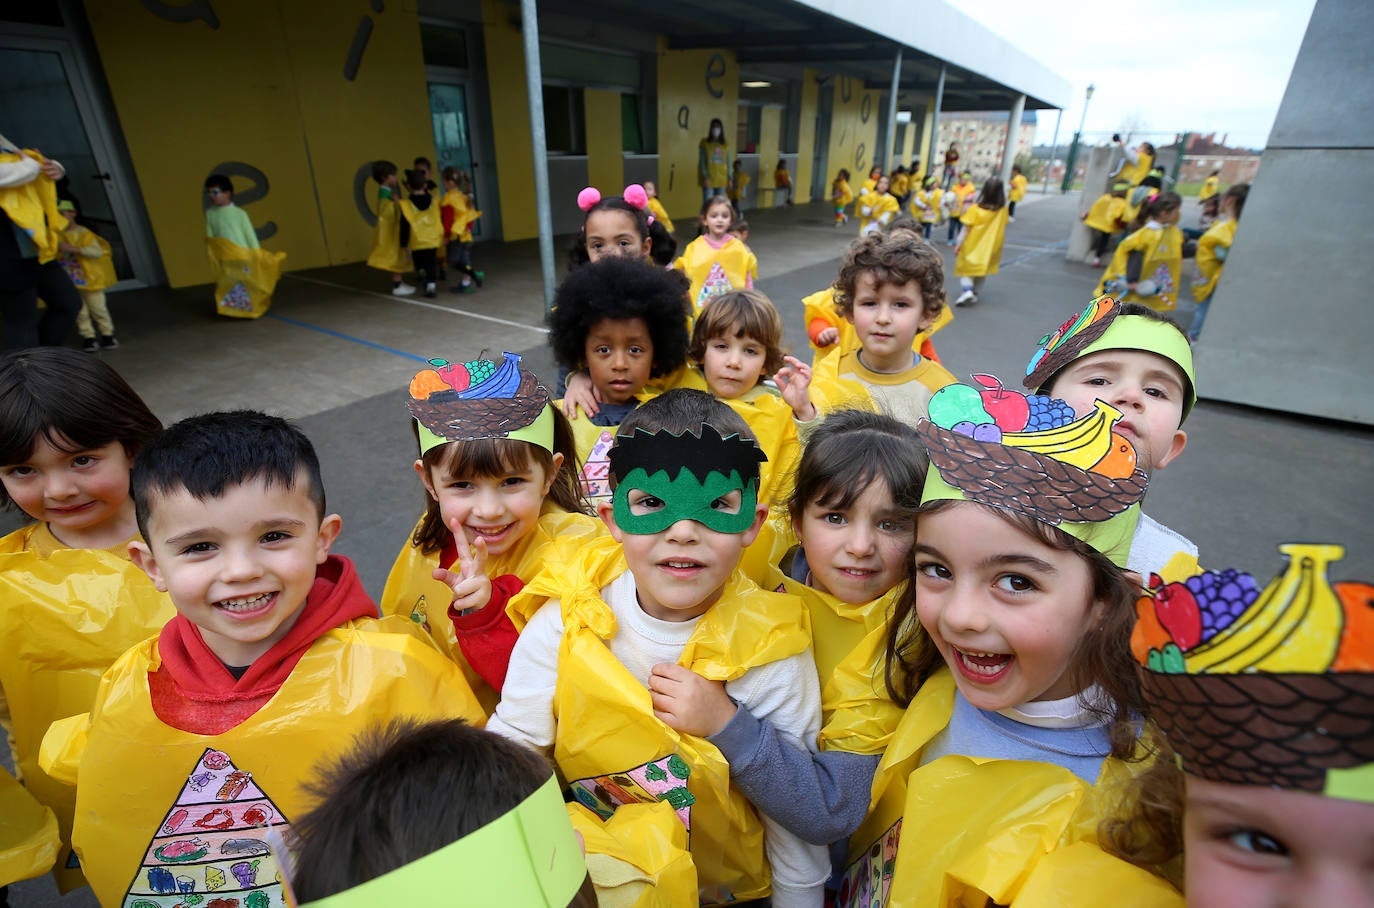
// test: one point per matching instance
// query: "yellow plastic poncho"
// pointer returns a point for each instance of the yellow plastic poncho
(29, 841)
(841, 193)
(67, 615)
(820, 307)
(1163, 250)
(980, 251)
(32, 207)
(1017, 191)
(716, 159)
(1209, 188)
(963, 194)
(1223, 234)
(426, 227)
(608, 737)
(900, 183)
(464, 215)
(876, 210)
(88, 272)
(1134, 173)
(639, 857)
(244, 278)
(661, 214)
(151, 799)
(715, 271)
(387, 254)
(961, 831)
(1107, 214)
(412, 592)
(929, 210)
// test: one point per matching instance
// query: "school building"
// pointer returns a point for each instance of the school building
(141, 100)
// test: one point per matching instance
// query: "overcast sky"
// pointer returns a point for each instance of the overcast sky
(1163, 66)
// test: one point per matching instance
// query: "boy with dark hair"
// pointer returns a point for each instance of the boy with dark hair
(275, 657)
(422, 228)
(389, 251)
(659, 602)
(891, 288)
(225, 219)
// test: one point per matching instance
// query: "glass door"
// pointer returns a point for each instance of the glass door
(45, 105)
(448, 109)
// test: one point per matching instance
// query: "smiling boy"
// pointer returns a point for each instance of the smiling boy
(594, 672)
(890, 288)
(275, 659)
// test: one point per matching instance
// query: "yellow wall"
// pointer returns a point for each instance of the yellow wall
(806, 146)
(510, 122)
(685, 111)
(768, 147)
(265, 88)
(853, 129)
(605, 141)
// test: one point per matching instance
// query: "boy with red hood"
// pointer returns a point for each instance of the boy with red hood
(200, 739)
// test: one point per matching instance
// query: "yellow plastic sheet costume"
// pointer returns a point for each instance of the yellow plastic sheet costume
(841, 193)
(1108, 214)
(426, 227)
(929, 211)
(961, 831)
(88, 273)
(163, 813)
(638, 858)
(1163, 251)
(33, 207)
(464, 215)
(715, 271)
(1221, 234)
(412, 592)
(244, 278)
(1017, 190)
(29, 842)
(882, 207)
(67, 615)
(1134, 173)
(610, 747)
(387, 254)
(980, 251)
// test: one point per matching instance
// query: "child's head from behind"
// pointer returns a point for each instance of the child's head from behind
(384, 173)
(1142, 364)
(717, 214)
(455, 179)
(220, 189)
(624, 321)
(1165, 208)
(843, 175)
(684, 473)
(417, 181)
(853, 506)
(737, 341)
(407, 790)
(232, 509)
(993, 194)
(891, 287)
(488, 471)
(423, 165)
(70, 427)
(1233, 200)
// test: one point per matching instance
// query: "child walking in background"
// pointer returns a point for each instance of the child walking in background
(1146, 266)
(275, 659)
(716, 261)
(223, 218)
(86, 258)
(782, 181)
(656, 207)
(245, 273)
(459, 215)
(499, 466)
(622, 321)
(389, 253)
(958, 199)
(1211, 254)
(739, 180)
(1016, 192)
(926, 205)
(841, 195)
(1106, 218)
(979, 245)
(71, 427)
(594, 675)
(422, 229)
(877, 207)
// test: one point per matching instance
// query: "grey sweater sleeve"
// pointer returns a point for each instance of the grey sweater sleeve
(819, 797)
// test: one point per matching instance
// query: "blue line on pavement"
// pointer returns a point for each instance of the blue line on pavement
(347, 337)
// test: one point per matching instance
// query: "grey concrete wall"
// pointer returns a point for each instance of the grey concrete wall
(1292, 319)
(1098, 161)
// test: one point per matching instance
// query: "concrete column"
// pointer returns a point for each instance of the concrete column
(769, 120)
(892, 111)
(1098, 162)
(931, 160)
(1013, 130)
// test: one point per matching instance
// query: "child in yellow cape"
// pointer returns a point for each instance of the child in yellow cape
(388, 252)
(877, 207)
(717, 260)
(1106, 218)
(199, 739)
(978, 252)
(1017, 191)
(73, 602)
(499, 466)
(245, 273)
(1212, 249)
(1147, 264)
(86, 258)
(594, 676)
(459, 214)
(957, 200)
(841, 194)
(926, 206)
(1009, 652)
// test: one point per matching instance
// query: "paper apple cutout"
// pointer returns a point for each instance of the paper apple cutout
(1009, 409)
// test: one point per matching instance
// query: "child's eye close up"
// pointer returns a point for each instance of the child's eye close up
(1015, 583)
(835, 518)
(275, 536)
(932, 570)
(1255, 841)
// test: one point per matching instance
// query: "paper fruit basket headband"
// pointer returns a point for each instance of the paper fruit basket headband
(1029, 454)
(1271, 686)
(480, 399)
(1101, 326)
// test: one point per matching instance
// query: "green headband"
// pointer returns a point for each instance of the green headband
(527, 858)
(539, 432)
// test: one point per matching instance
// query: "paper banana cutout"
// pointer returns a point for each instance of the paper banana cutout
(1271, 686)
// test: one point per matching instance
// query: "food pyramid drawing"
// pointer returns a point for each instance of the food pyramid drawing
(211, 849)
(716, 283)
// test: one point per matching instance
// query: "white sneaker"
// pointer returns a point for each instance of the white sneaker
(402, 289)
(966, 297)
(1011, 220)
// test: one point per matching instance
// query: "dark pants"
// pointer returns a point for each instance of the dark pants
(424, 260)
(1011, 209)
(925, 229)
(954, 225)
(24, 327)
(1100, 241)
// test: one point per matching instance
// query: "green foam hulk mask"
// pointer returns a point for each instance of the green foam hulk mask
(683, 498)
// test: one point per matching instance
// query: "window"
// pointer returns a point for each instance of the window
(631, 132)
(564, 120)
(443, 45)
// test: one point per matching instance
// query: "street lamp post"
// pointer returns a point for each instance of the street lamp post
(1072, 157)
(1084, 119)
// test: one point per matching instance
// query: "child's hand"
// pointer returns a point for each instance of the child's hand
(794, 383)
(827, 337)
(471, 586)
(687, 702)
(580, 392)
